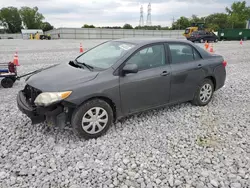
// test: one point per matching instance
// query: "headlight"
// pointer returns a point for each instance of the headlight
(48, 98)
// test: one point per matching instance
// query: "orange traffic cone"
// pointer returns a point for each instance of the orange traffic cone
(211, 49)
(241, 42)
(206, 45)
(81, 49)
(15, 61)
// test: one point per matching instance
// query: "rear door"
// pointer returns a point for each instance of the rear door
(186, 71)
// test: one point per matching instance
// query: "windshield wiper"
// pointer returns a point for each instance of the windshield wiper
(84, 64)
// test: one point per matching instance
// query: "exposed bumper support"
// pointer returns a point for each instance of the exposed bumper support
(39, 115)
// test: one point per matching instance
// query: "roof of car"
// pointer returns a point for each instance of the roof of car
(150, 40)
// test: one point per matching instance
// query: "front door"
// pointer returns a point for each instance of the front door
(150, 86)
(186, 65)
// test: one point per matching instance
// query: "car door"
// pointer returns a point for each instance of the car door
(150, 86)
(186, 71)
(213, 36)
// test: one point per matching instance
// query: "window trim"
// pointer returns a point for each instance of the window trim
(139, 49)
(181, 43)
(195, 50)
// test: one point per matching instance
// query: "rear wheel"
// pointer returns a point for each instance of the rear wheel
(92, 119)
(204, 93)
(7, 82)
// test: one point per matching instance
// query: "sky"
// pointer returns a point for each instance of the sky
(76, 13)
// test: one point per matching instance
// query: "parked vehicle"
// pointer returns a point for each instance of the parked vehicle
(202, 36)
(196, 27)
(45, 37)
(118, 78)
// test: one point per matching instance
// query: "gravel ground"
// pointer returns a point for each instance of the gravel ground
(177, 146)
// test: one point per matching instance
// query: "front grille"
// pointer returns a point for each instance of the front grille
(31, 93)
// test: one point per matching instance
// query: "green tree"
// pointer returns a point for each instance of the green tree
(217, 21)
(196, 19)
(127, 26)
(31, 18)
(88, 26)
(46, 26)
(10, 19)
(238, 14)
(181, 23)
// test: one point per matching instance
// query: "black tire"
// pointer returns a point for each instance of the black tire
(7, 82)
(197, 99)
(78, 114)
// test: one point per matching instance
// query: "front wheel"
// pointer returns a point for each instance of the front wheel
(204, 93)
(92, 119)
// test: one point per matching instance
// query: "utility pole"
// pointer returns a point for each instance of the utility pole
(173, 22)
(149, 23)
(141, 23)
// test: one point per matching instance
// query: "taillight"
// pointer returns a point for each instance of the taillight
(224, 63)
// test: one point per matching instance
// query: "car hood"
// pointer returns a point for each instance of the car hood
(61, 77)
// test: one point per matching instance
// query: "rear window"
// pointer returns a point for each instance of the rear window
(182, 53)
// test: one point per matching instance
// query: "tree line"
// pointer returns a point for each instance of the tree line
(235, 16)
(14, 19)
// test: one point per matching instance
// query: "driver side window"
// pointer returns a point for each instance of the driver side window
(149, 57)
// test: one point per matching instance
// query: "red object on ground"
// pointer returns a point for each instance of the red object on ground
(15, 61)
(11, 67)
(211, 49)
(81, 49)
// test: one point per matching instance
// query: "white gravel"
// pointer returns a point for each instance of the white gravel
(178, 146)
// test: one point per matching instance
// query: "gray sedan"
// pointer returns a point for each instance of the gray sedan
(118, 78)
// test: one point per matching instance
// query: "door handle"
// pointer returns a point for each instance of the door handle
(198, 66)
(164, 73)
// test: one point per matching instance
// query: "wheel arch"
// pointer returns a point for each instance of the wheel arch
(212, 78)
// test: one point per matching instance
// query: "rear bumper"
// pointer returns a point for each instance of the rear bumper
(37, 115)
(220, 75)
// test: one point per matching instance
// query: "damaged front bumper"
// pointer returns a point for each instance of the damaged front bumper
(55, 114)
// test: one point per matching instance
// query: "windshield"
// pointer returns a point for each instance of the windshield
(187, 31)
(105, 55)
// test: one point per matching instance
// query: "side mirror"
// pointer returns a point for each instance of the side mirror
(130, 68)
